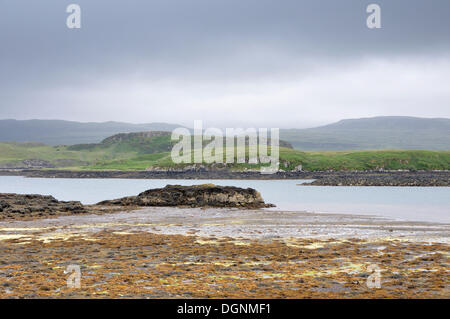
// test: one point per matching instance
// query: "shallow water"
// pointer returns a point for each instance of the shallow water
(429, 204)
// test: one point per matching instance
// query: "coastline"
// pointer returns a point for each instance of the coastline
(335, 178)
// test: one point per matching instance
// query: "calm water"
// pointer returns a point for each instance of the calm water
(406, 203)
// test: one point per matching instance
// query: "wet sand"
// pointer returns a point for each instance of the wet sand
(236, 223)
(212, 253)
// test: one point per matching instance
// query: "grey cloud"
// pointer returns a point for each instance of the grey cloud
(219, 42)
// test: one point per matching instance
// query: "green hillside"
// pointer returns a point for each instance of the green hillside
(139, 151)
(138, 143)
(368, 160)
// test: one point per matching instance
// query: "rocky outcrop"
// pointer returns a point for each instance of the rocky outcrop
(207, 195)
(27, 207)
(21, 206)
(384, 179)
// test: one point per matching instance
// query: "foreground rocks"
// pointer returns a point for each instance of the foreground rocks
(17, 206)
(30, 207)
(207, 195)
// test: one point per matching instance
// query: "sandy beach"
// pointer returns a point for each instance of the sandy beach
(223, 253)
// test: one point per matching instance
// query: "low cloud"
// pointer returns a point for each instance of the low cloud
(229, 63)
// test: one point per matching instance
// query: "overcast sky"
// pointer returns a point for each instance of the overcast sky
(265, 63)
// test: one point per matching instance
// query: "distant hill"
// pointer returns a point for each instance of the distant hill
(390, 132)
(386, 132)
(137, 142)
(144, 143)
(57, 132)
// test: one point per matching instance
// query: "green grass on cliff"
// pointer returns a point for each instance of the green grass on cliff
(138, 156)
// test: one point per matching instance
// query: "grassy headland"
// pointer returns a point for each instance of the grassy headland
(138, 151)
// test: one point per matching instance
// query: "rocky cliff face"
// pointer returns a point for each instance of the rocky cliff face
(207, 195)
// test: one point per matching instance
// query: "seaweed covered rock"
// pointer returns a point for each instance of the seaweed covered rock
(29, 206)
(207, 195)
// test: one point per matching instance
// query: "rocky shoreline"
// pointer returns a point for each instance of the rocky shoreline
(31, 206)
(328, 178)
(383, 179)
(28, 207)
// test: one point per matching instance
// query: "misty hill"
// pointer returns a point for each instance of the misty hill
(387, 132)
(57, 132)
(137, 142)
(355, 134)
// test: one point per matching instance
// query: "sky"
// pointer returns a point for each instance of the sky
(230, 63)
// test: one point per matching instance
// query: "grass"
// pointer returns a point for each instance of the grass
(137, 163)
(11, 153)
(367, 160)
(311, 161)
(138, 155)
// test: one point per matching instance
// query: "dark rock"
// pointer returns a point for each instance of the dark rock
(207, 195)
(3, 205)
(20, 206)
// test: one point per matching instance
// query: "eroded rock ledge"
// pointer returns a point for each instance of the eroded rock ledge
(29, 207)
(207, 195)
(21, 206)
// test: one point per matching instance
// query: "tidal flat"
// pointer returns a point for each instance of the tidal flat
(223, 253)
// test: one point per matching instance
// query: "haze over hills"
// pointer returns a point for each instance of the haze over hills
(375, 133)
(58, 132)
(386, 132)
